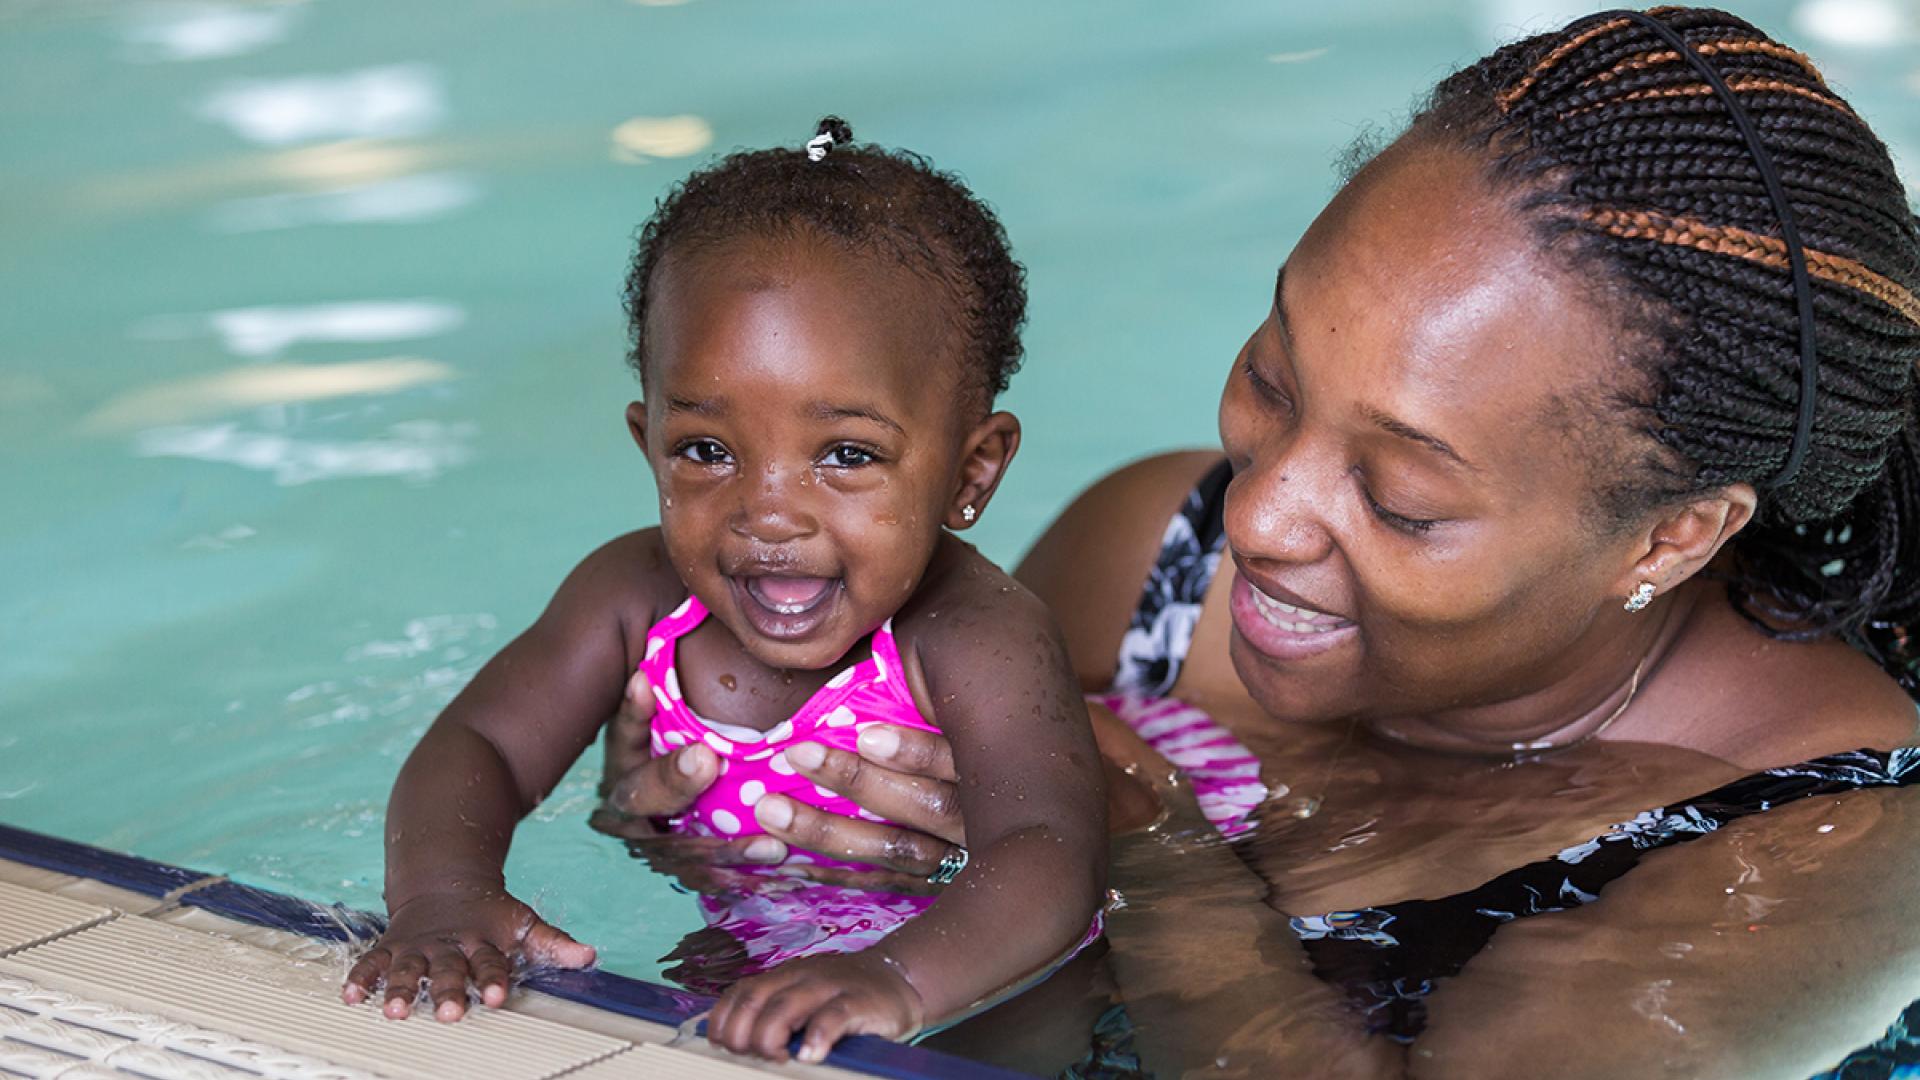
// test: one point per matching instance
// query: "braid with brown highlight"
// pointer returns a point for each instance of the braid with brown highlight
(1634, 169)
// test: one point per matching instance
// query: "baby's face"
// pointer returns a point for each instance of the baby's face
(804, 424)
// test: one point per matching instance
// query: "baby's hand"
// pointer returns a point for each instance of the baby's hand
(828, 996)
(454, 938)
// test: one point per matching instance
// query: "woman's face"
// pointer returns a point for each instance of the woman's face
(1413, 432)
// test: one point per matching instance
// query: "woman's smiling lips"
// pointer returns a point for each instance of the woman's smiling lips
(783, 607)
(1281, 629)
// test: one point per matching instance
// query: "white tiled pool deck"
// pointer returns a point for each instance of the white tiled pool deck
(98, 981)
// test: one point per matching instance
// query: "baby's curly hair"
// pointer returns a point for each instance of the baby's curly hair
(872, 199)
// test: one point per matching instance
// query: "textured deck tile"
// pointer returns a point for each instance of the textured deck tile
(28, 916)
(195, 980)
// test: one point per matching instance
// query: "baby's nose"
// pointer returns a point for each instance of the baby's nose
(776, 510)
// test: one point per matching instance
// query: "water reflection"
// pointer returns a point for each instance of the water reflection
(186, 32)
(259, 385)
(383, 102)
(267, 330)
(1859, 24)
(411, 199)
(416, 451)
(644, 138)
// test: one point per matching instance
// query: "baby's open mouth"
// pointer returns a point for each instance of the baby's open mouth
(786, 607)
(789, 595)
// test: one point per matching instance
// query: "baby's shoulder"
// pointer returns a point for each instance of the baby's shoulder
(962, 592)
(970, 616)
(629, 576)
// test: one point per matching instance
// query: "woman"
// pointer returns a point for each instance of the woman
(1531, 562)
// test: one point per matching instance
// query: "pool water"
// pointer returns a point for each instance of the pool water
(311, 347)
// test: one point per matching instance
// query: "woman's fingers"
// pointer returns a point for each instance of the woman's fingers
(629, 740)
(909, 750)
(848, 838)
(665, 786)
(922, 803)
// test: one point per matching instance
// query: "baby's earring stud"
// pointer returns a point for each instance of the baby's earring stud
(1642, 596)
(968, 513)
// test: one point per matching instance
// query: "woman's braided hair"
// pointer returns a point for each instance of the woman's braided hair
(868, 198)
(1631, 164)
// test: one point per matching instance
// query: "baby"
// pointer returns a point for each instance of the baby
(819, 335)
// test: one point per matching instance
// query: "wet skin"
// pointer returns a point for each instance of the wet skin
(812, 442)
(1416, 298)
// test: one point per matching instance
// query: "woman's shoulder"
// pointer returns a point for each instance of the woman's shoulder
(1764, 702)
(1091, 563)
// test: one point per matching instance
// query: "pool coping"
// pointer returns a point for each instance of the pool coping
(619, 994)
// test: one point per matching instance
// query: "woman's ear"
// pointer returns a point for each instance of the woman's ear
(983, 461)
(637, 423)
(1683, 540)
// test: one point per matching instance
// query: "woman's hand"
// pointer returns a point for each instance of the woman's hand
(824, 996)
(452, 939)
(901, 774)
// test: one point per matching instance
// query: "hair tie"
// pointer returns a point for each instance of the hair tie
(1789, 232)
(830, 132)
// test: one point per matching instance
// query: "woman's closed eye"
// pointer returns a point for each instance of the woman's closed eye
(1268, 391)
(1412, 526)
(703, 452)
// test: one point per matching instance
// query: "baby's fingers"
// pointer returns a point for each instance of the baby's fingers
(365, 976)
(548, 944)
(447, 983)
(784, 1012)
(491, 973)
(403, 983)
(825, 1029)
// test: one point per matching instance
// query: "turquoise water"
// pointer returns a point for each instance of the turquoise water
(311, 350)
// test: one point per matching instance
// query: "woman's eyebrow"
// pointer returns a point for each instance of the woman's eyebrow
(1395, 426)
(1280, 308)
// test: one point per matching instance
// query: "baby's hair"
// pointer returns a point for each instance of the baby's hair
(871, 199)
(1632, 164)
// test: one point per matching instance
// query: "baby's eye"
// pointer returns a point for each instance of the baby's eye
(848, 456)
(705, 452)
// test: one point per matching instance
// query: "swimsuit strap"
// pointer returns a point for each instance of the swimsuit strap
(1156, 642)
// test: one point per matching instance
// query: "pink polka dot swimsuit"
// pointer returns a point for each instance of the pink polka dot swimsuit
(753, 764)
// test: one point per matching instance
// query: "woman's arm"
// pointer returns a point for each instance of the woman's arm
(1091, 563)
(1769, 948)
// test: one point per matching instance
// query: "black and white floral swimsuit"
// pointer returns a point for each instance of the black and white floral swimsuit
(1388, 958)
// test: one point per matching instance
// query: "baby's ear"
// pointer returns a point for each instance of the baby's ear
(637, 423)
(984, 458)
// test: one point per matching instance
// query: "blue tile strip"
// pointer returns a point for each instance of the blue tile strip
(600, 989)
(81, 860)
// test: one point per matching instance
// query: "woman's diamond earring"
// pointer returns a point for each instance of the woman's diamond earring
(1642, 596)
(968, 513)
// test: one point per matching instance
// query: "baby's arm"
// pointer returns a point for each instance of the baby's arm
(997, 676)
(495, 752)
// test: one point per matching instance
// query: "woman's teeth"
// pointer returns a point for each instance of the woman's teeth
(1297, 620)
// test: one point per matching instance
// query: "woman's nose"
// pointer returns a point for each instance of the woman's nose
(1276, 509)
(774, 510)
